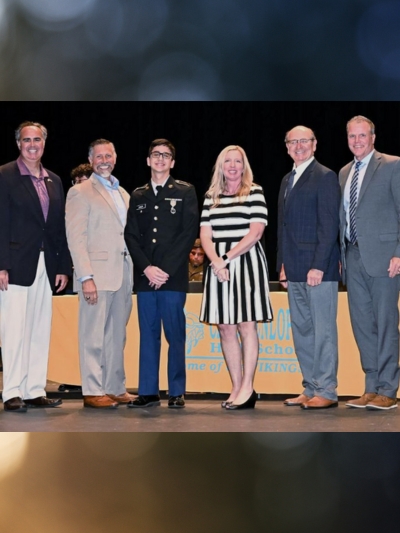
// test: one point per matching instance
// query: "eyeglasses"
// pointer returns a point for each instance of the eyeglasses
(164, 155)
(300, 141)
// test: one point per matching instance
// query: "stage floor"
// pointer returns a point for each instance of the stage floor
(202, 413)
(200, 416)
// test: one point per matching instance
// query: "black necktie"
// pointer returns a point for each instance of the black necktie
(289, 185)
(159, 189)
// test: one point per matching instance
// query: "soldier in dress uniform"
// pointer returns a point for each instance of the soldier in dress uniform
(161, 227)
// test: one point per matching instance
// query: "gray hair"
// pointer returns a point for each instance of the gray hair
(27, 123)
(313, 138)
(99, 141)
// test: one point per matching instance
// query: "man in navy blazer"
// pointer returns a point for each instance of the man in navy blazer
(34, 260)
(370, 242)
(308, 266)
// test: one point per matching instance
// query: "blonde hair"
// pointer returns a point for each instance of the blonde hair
(360, 118)
(217, 185)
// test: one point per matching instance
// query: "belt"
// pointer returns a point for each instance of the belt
(351, 244)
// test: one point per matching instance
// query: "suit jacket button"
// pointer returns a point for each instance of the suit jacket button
(154, 240)
(156, 207)
(155, 230)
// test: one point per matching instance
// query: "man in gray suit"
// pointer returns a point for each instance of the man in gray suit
(370, 243)
(103, 271)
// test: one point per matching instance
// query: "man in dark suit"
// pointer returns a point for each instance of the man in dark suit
(370, 243)
(161, 226)
(308, 266)
(34, 260)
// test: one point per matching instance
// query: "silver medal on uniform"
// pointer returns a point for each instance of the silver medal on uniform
(173, 204)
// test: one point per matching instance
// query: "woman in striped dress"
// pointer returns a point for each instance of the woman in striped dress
(236, 294)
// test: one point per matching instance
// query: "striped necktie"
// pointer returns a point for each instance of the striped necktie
(353, 204)
(289, 185)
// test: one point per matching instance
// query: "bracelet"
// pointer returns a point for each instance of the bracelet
(226, 259)
(283, 281)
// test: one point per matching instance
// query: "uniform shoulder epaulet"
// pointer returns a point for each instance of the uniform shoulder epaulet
(142, 188)
(185, 183)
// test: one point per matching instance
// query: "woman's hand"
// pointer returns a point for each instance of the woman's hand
(223, 275)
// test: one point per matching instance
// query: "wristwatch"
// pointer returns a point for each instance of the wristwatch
(226, 259)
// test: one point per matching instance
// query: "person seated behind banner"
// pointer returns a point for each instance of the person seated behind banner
(81, 173)
(196, 262)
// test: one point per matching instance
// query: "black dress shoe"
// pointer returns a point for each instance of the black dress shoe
(248, 404)
(176, 402)
(145, 401)
(42, 401)
(15, 404)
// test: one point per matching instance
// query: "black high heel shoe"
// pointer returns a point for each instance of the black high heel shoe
(224, 404)
(248, 404)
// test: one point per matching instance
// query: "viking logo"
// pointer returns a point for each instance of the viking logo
(194, 331)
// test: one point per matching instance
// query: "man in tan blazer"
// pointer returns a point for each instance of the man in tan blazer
(103, 273)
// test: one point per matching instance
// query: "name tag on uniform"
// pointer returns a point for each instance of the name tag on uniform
(140, 207)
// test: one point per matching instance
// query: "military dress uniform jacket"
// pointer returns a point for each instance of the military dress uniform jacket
(160, 231)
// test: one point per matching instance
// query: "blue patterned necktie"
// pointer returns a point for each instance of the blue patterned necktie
(353, 204)
(289, 185)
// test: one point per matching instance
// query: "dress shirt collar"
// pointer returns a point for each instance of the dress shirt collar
(111, 184)
(301, 168)
(24, 170)
(154, 185)
(364, 161)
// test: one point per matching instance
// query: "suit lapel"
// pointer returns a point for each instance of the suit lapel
(106, 196)
(300, 182)
(51, 191)
(35, 204)
(371, 168)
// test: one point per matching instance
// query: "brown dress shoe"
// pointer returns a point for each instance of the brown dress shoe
(122, 398)
(382, 402)
(298, 401)
(16, 405)
(319, 402)
(99, 402)
(42, 401)
(361, 403)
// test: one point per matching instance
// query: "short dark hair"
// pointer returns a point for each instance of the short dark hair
(96, 142)
(162, 142)
(82, 170)
(27, 123)
(197, 244)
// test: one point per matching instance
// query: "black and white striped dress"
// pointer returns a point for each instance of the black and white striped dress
(245, 297)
